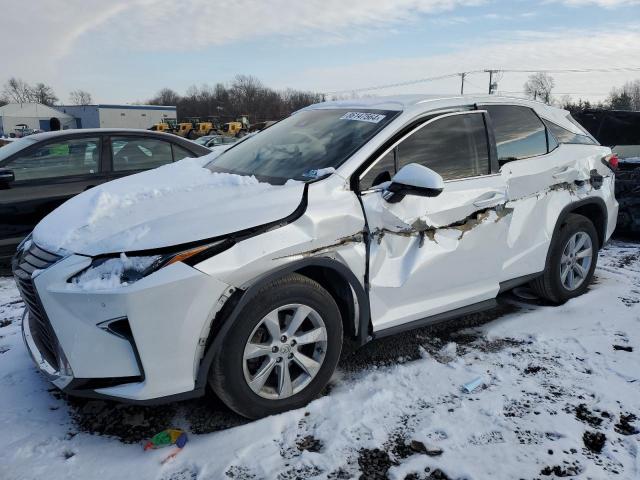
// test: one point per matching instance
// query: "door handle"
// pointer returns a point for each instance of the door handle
(495, 199)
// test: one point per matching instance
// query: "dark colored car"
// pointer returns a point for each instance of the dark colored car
(41, 171)
(620, 130)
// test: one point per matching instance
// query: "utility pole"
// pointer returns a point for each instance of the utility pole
(462, 75)
(491, 85)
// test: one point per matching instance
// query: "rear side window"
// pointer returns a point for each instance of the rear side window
(565, 136)
(519, 132)
(455, 147)
(60, 159)
(131, 153)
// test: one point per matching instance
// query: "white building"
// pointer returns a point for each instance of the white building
(35, 116)
(118, 116)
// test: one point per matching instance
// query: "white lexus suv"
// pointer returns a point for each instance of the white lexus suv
(355, 220)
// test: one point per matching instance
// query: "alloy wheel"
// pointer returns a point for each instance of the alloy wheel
(575, 262)
(285, 351)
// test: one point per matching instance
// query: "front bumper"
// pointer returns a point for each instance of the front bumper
(168, 315)
(51, 372)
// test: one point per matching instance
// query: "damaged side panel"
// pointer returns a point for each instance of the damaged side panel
(538, 189)
(332, 227)
(430, 255)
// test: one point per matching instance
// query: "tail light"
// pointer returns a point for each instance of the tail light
(611, 161)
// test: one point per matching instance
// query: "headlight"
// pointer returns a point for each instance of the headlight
(113, 272)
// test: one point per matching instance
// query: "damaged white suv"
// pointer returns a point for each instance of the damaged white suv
(354, 219)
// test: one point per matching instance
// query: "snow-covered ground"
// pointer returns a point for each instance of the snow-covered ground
(558, 385)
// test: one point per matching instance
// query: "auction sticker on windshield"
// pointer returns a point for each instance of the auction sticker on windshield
(363, 117)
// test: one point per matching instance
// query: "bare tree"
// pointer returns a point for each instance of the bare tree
(245, 96)
(16, 90)
(80, 97)
(44, 94)
(538, 87)
(166, 96)
(625, 98)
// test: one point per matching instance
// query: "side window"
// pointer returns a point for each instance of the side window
(179, 153)
(381, 172)
(518, 131)
(62, 159)
(455, 147)
(131, 153)
(563, 135)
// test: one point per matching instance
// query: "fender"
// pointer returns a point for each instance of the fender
(570, 209)
(225, 318)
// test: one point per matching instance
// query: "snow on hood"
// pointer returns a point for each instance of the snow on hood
(174, 204)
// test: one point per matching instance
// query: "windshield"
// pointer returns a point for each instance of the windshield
(15, 146)
(303, 145)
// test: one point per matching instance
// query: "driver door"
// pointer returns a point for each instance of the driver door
(434, 255)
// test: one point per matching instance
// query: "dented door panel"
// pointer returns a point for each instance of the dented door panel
(430, 255)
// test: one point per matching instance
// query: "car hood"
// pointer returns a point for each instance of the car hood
(171, 205)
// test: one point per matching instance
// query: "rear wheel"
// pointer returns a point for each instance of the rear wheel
(572, 261)
(281, 350)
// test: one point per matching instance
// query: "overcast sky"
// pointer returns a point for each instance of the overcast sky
(126, 50)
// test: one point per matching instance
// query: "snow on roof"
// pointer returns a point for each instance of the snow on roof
(31, 110)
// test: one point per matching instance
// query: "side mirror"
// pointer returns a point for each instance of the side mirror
(6, 176)
(413, 179)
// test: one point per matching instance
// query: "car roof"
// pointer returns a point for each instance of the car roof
(102, 131)
(407, 102)
(411, 105)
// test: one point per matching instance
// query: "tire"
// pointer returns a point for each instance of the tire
(232, 371)
(550, 285)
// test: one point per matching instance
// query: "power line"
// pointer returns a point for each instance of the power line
(577, 70)
(558, 93)
(401, 84)
(491, 73)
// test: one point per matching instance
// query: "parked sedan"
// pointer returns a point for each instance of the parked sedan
(42, 171)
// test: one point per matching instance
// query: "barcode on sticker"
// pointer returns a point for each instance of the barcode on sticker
(363, 117)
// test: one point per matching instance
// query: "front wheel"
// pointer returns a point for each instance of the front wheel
(572, 261)
(281, 350)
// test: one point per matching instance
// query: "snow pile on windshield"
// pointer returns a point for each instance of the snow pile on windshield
(320, 172)
(112, 273)
(170, 205)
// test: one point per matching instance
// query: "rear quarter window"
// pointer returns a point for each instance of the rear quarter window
(562, 135)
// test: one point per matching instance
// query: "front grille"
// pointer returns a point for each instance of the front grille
(25, 263)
